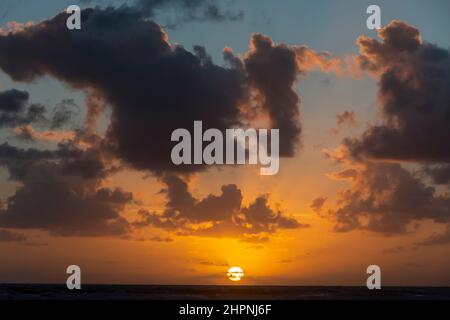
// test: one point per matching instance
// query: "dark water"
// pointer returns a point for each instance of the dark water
(161, 292)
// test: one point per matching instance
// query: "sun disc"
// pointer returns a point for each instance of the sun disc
(235, 273)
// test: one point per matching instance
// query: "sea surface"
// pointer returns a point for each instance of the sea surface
(183, 292)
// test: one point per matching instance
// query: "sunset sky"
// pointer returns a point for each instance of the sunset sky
(86, 117)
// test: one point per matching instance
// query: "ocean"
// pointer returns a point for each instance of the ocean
(202, 292)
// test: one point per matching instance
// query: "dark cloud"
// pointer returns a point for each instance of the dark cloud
(89, 164)
(387, 198)
(346, 118)
(189, 10)
(14, 109)
(213, 263)
(224, 214)
(152, 88)
(182, 207)
(161, 239)
(414, 96)
(64, 205)
(440, 174)
(174, 13)
(286, 261)
(414, 77)
(265, 219)
(61, 192)
(17, 160)
(13, 100)
(272, 70)
(139, 76)
(139, 81)
(254, 238)
(10, 236)
(63, 114)
(317, 204)
(95, 106)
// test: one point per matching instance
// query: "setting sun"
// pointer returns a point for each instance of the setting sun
(235, 273)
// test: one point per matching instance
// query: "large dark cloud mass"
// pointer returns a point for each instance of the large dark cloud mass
(152, 86)
(61, 193)
(224, 214)
(124, 61)
(414, 96)
(414, 77)
(387, 198)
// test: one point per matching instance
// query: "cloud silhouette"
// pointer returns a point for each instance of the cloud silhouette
(139, 80)
(437, 239)
(440, 174)
(384, 196)
(10, 236)
(189, 10)
(272, 69)
(14, 109)
(215, 216)
(414, 77)
(387, 198)
(61, 193)
(152, 88)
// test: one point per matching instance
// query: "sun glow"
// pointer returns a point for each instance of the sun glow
(235, 273)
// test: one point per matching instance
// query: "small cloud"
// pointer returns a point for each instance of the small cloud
(161, 239)
(254, 238)
(317, 204)
(10, 236)
(155, 238)
(219, 216)
(395, 250)
(389, 199)
(214, 263)
(286, 261)
(437, 239)
(346, 118)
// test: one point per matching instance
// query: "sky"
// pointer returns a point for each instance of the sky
(86, 117)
